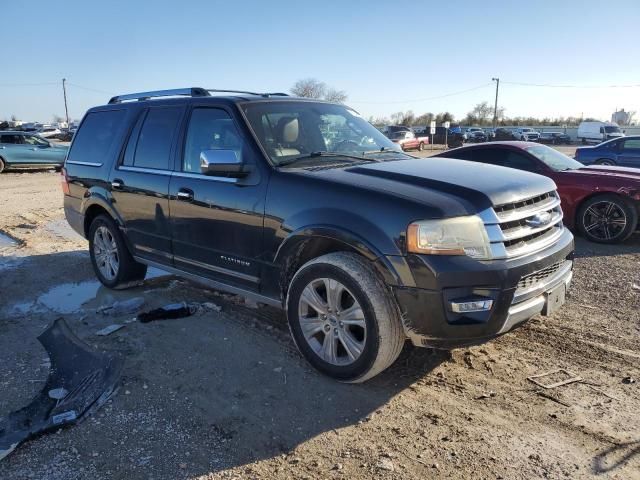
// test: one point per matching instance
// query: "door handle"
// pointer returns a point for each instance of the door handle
(185, 195)
(117, 184)
(35, 149)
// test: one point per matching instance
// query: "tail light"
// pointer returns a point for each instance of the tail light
(65, 181)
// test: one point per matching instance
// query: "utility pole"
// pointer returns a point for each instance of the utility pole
(64, 92)
(495, 107)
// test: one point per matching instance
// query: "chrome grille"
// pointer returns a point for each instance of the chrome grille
(524, 226)
(534, 278)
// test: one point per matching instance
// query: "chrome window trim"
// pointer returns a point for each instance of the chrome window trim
(201, 176)
(156, 171)
(86, 164)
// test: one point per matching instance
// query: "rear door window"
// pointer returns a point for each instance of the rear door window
(93, 141)
(10, 139)
(632, 144)
(153, 149)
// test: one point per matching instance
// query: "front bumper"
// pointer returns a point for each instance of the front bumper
(518, 288)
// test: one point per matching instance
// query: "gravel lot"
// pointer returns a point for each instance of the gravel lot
(226, 395)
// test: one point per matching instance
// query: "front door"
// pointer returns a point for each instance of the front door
(140, 183)
(217, 222)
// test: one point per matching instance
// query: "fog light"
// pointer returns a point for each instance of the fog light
(471, 306)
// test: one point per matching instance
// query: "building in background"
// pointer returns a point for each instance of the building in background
(622, 118)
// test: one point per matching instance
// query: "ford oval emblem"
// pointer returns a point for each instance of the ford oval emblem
(539, 220)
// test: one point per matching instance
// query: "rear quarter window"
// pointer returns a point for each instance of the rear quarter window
(93, 141)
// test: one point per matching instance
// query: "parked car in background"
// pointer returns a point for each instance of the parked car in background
(555, 138)
(602, 203)
(624, 152)
(469, 131)
(597, 132)
(408, 140)
(490, 133)
(362, 245)
(49, 132)
(389, 129)
(477, 136)
(526, 134)
(503, 134)
(22, 149)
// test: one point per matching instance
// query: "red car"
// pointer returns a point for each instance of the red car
(408, 140)
(601, 202)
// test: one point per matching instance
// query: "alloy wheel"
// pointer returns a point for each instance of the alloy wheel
(332, 321)
(605, 220)
(105, 250)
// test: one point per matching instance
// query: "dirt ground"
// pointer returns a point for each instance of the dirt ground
(226, 395)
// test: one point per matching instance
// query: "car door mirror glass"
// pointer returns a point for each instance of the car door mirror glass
(222, 163)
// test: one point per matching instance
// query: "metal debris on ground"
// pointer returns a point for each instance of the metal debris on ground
(124, 307)
(109, 330)
(80, 381)
(628, 380)
(572, 378)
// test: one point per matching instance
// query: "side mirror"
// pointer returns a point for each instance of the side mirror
(222, 163)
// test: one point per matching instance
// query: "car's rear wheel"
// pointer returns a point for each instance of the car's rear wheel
(605, 161)
(421, 146)
(607, 219)
(343, 318)
(1, 165)
(112, 262)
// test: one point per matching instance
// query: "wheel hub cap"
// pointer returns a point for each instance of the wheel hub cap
(105, 251)
(332, 321)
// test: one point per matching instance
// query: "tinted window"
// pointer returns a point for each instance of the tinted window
(95, 137)
(632, 144)
(156, 137)
(209, 129)
(519, 161)
(12, 139)
(461, 154)
(504, 158)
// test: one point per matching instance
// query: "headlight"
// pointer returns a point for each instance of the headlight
(451, 236)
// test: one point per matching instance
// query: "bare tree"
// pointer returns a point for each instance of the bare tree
(336, 96)
(314, 88)
(309, 88)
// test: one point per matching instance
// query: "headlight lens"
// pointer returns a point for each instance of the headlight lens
(451, 236)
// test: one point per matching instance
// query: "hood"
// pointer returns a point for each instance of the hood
(608, 171)
(435, 181)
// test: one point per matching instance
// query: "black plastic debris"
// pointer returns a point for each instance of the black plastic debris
(168, 312)
(80, 381)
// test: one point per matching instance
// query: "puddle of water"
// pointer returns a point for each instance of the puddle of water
(6, 241)
(153, 272)
(69, 297)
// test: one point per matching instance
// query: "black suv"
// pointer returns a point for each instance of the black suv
(304, 205)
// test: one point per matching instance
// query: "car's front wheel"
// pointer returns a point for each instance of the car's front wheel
(605, 162)
(112, 262)
(343, 318)
(421, 146)
(1, 165)
(607, 219)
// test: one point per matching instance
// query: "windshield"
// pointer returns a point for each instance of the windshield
(612, 129)
(287, 130)
(553, 158)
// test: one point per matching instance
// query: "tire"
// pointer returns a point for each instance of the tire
(375, 327)
(1, 165)
(584, 141)
(421, 147)
(615, 210)
(120, 273)
(605, 161)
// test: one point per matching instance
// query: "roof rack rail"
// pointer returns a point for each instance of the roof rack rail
(266, 94)
(189, 92)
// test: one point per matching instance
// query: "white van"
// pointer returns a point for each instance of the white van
(598, 131)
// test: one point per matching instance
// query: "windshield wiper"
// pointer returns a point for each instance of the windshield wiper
(383, 150)
(319, 154)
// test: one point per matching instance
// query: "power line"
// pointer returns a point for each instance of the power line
(568, 86)
(90, 89)
(27, 84)
(424, 99)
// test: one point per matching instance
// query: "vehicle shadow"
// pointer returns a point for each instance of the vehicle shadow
(615, 457)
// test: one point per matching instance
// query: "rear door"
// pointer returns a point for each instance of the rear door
(40, 151)
(629, 152)
(217, 222)
(140, 182)
(10, 147)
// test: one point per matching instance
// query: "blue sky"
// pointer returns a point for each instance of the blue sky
(388, 56)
